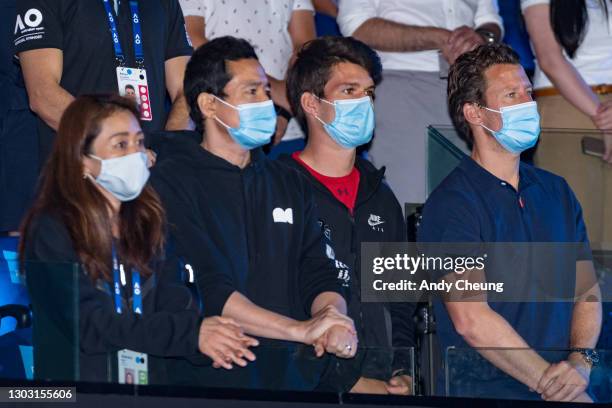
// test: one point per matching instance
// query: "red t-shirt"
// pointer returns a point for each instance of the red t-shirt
(343, 188)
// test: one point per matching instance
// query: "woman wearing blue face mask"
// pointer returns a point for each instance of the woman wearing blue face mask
(96, 209)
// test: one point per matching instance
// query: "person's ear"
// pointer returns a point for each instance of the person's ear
(91, 167)
(207, 105)
(310, 104)
(473, 113)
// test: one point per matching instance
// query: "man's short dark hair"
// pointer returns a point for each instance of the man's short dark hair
(207, 71)
(129, 86)
(313, 66)
(467, 83)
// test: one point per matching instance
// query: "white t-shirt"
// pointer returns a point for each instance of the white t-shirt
(593, 59)
(263, 23)
(448, 14)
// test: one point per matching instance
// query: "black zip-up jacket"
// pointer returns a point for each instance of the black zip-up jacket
(168, 327)
(377, 217)
(251, 230)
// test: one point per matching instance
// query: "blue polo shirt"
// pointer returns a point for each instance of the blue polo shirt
(472, 205)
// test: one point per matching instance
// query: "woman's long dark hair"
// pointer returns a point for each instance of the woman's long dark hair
(82, 207)
(569, 20)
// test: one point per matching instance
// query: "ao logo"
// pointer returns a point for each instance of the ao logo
(32, 18)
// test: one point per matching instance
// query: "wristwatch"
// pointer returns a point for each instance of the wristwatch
(488, 36)
(590, 356)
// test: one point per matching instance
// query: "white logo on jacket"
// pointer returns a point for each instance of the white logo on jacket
(329, 251)
(343, 273)
(281, 215)
(375, 221)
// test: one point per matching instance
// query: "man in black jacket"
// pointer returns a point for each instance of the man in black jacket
(331, 90)
(249, 226)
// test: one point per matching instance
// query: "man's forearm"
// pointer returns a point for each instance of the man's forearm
(42, 71)
(279, 92)
(500, 344)
(586, 316)
(178, 118)
(385, 35)
(258, 321)
(586, 324)
(328, 299)
(49, 103)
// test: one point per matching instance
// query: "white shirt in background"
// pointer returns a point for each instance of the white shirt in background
(263, 23)
(593, 58)
(448, 14)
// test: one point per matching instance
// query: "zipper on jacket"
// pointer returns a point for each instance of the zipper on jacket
(357, 257)
(358, 203)
(247, 220)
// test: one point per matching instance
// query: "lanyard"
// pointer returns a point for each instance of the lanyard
(118, 272)
(137, 33)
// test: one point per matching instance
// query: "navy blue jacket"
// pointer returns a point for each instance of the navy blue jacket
(251, 230)
(377, 217)
(168, 327)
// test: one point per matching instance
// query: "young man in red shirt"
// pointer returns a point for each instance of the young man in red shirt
(331, 91)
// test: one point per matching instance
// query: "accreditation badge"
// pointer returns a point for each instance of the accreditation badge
(133, 84)
(132, 367)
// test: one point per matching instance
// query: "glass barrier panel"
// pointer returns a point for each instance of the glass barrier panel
(468, 373)
(15, 317)
(53, 293)
(442, 154)
(58, 355)
(12, 287)
(295, 367)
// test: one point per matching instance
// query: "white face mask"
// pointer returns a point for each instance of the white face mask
(124, 177)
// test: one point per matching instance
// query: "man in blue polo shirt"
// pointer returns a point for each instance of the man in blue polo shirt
(493, 197)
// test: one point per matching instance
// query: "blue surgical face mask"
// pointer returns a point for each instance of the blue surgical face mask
(257, 123)
(354, 122)
(520, 126)
(125, 176)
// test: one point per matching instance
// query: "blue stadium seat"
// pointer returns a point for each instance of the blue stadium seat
(16, 360)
